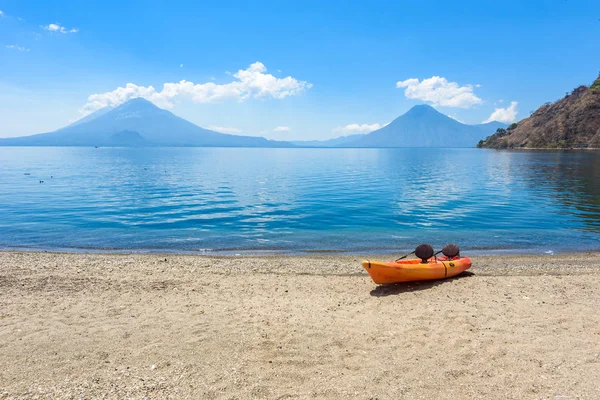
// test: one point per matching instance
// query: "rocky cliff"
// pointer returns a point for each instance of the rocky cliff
(571, 122)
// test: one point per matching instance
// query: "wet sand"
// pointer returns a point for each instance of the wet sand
(151, 326)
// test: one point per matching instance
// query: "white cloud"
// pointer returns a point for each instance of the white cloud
(16, 47)
(506, 115)
(282, 129)
(180, 65)
(454, 117)
(352, 129)
(439, 91)
(253, 82)
(59, 28)
(223, 129)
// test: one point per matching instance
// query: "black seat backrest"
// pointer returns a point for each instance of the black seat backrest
(424, 252)
(451, 250)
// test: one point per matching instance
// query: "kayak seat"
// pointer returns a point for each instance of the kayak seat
(424, 252)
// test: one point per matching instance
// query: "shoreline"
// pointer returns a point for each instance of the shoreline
(320, 264)
(313, 326)
(496, 252)
(551, 149)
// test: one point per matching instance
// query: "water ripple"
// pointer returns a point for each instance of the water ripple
(179, 199)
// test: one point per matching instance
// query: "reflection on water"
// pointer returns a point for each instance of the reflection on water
(191, 199)
(574, 180)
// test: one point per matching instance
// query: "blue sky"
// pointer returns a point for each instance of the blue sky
(291, 70)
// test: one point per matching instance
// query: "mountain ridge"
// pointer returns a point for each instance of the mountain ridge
(154, 127)
(570, 122)
(139, 122)
(335, 142)
(424, 126)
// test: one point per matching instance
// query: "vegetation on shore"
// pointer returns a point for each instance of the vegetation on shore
(571, 122)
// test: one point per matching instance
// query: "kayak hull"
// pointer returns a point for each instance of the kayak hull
(415, 270)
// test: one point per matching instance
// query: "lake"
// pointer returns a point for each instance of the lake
(234, 200)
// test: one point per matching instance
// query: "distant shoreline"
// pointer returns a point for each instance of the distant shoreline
(543, 148)
(553, 149)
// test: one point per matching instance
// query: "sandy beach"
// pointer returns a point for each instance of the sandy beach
(152, 326)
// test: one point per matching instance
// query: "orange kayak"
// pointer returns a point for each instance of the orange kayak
(415, 270)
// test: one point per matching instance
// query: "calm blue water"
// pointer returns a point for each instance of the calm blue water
(294, 200)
